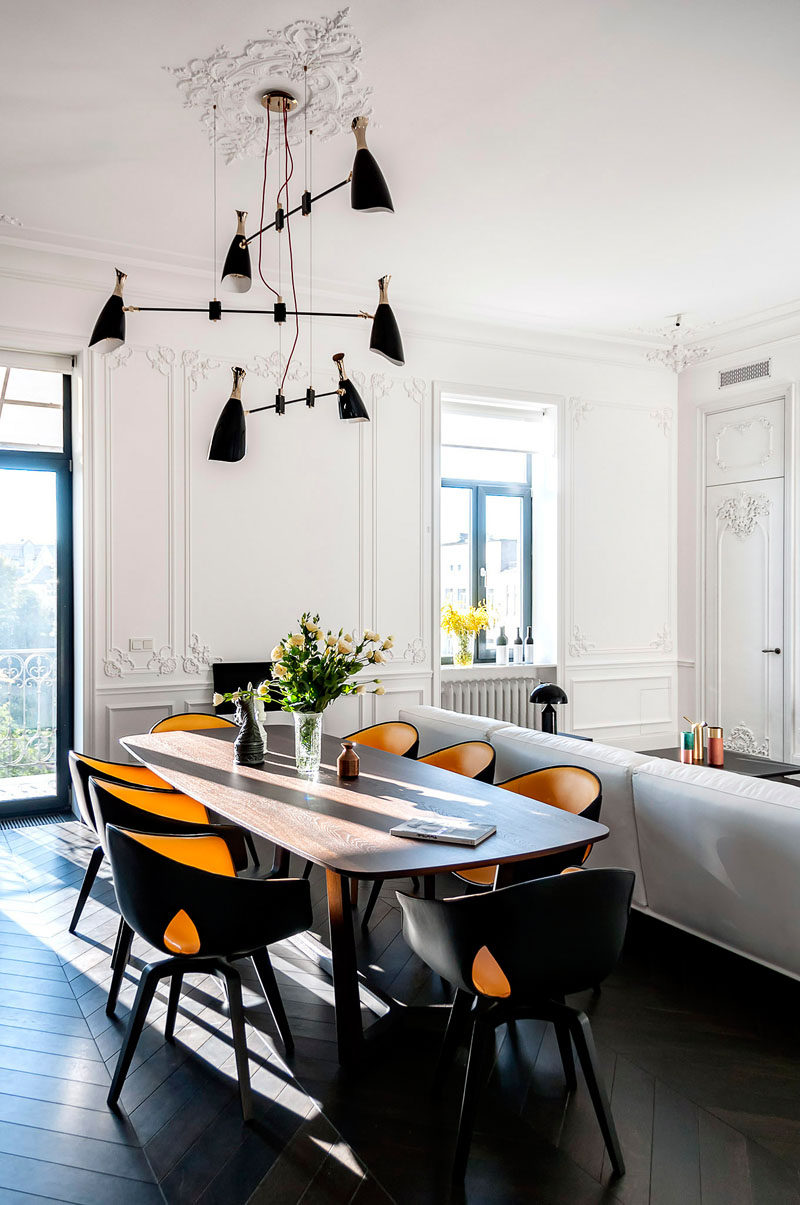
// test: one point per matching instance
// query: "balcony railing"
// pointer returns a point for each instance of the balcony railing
(27, 712)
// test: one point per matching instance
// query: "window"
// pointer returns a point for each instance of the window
(485, 521)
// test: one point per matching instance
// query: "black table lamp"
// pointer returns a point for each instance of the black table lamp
(548, 694)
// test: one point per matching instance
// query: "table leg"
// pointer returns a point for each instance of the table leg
(345, 971)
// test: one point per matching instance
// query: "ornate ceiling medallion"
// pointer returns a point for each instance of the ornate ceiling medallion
(330, 50)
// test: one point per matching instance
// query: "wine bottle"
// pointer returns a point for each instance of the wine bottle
(501, 653)
(529, 646)
(518, 653)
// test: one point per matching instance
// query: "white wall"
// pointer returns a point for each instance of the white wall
(777, 339)
(325, 515)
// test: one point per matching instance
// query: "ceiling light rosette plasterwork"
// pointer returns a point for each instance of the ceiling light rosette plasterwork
(335, 93)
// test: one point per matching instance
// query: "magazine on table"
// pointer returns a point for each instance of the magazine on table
(448, 830)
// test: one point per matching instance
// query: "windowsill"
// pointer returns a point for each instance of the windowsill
(490, 669)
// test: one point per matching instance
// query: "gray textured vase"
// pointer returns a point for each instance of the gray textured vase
(248, 748)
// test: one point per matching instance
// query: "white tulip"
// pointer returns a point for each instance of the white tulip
(276, 653)
(279, 671)
(217, 699)
(388, 643)
(360, 688)
(377, 657)
(332, 641)
(348, 637)
(380, 690)
(297, 639)
(344, 647)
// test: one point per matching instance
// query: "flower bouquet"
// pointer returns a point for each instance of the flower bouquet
(312, 668)
(464, 625)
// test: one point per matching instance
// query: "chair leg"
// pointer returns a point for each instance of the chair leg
(269, 986)
(86, 885)
(234, 985)
(354, 892)
(280, 863)
(251, 847)
(481, 1031)
(373, 899)
(456, 1026)
(584, 1044)
(565, 1050)
(309, 866)
(175, 986)
(144, 998)
(115, 953)
(122, 953)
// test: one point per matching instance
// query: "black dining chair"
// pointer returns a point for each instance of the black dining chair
(181, 894)
(518, 952)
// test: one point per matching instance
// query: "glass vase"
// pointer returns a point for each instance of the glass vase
(307, 741)
(248, 748)
(464, 649)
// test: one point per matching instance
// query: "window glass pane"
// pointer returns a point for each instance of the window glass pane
(31, 427)
(484, 464)
(28, 385)
(504, 562)
(456, 552)
(28, 623)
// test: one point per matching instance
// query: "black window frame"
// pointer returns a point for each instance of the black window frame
(59, 463)
(480, 491)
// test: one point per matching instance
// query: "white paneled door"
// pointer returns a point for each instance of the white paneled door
(744, 614)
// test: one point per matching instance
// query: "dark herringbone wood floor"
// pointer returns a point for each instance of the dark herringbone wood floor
(700, 1051)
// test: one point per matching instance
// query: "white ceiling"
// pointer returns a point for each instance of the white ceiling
(579, 164)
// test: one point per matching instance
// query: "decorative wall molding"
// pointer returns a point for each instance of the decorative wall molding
(579, 644)
(163, 661)
(663, 640)
(234, 82)
(741, 429)
(415, 388)
(677, 357)
(198, 656)
(116, 664)
(196, 367)
(664, 419)
(741, 512)
(579, 409)
(119, 358)
(381, 385)
(742, 739)
(415, 651)
(162, 359)
(273, 366)
(7, 220)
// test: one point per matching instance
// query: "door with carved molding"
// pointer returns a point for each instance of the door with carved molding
(744, 655)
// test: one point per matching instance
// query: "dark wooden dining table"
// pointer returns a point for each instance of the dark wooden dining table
(343, 825)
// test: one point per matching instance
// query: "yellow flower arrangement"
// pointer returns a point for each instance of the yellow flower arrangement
(464, 625)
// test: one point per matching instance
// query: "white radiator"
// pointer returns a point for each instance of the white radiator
(501, 697)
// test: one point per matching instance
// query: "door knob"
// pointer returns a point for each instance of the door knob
(771, 651)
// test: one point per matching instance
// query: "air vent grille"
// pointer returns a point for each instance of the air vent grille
(747, 372)
(11, 823)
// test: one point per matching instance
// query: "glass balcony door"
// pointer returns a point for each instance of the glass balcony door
(36, 678)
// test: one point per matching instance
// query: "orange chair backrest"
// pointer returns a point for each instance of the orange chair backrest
(139, 775)
(169, 804)
(469, 758)
(204, 853)
(570, 788)
(191, 721)
(395, 736)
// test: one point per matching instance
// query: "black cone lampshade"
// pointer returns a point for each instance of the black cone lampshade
(237, 276)
(369, 191)
(229, 441)
(385, 338)
(109, 330)
(351, 407)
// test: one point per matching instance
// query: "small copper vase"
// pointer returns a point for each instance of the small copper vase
(347, 763)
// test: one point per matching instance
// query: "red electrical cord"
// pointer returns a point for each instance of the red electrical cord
(261, 223)
(289, 172)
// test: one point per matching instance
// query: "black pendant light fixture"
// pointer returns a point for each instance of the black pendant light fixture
(229, 441)
(385, 338)
(237, 276)
(109, 330)
(351, 407)
(369, 191)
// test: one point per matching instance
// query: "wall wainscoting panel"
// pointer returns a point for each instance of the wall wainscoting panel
(620, 532)
(631, 706)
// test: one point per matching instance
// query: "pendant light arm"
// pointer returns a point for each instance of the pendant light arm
(191, 309)
(291, 401)
(296, 209)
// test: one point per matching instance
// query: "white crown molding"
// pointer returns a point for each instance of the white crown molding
(315, 59)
